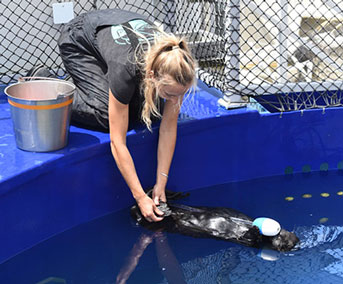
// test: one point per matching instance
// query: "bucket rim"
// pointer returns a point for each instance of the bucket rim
(67, 95)
(41, 101)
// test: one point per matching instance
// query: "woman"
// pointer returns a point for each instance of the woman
(126, 71)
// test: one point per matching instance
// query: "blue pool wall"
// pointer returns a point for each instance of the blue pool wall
(44, 194)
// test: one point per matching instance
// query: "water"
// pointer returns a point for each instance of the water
(113, 247)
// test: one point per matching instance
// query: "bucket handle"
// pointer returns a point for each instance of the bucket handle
(25, 79)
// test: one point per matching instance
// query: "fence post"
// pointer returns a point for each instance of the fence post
(231, 35)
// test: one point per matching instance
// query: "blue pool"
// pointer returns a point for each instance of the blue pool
(102, 250)
(64, 215)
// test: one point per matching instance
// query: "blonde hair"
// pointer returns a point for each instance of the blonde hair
(168, 55)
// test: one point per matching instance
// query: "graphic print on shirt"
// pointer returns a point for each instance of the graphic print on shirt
(139, 26)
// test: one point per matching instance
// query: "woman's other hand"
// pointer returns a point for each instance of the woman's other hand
(159, 194)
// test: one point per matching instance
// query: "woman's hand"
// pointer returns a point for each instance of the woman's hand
(149, 210)
(159, 194)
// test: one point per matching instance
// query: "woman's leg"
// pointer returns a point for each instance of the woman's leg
(90, 106)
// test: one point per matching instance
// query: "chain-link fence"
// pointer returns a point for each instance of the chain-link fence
(288, 50)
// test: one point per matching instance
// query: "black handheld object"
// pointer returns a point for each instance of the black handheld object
(164, 208)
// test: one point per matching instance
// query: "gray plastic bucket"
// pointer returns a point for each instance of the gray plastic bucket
(40, 111)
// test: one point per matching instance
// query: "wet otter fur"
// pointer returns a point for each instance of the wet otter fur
(214, 222)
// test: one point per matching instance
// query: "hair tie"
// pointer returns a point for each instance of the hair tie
(175, 47)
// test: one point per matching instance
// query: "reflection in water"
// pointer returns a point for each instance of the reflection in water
(319, 259)
(52, 280)
(168, 263)
(133, 258)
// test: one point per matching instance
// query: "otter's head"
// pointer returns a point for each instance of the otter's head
(284, 241)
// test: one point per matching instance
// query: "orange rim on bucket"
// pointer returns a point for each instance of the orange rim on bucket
(40, 107)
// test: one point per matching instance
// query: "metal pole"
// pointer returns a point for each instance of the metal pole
(232, 58)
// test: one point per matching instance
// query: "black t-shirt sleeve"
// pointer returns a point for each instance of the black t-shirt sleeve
(122, 81)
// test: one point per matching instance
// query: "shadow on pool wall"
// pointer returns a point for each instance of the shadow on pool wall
(239, 145)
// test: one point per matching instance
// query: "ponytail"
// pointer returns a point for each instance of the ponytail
(169, 55)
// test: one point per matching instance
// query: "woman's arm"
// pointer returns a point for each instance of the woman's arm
(118, 122)
(166, 147)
